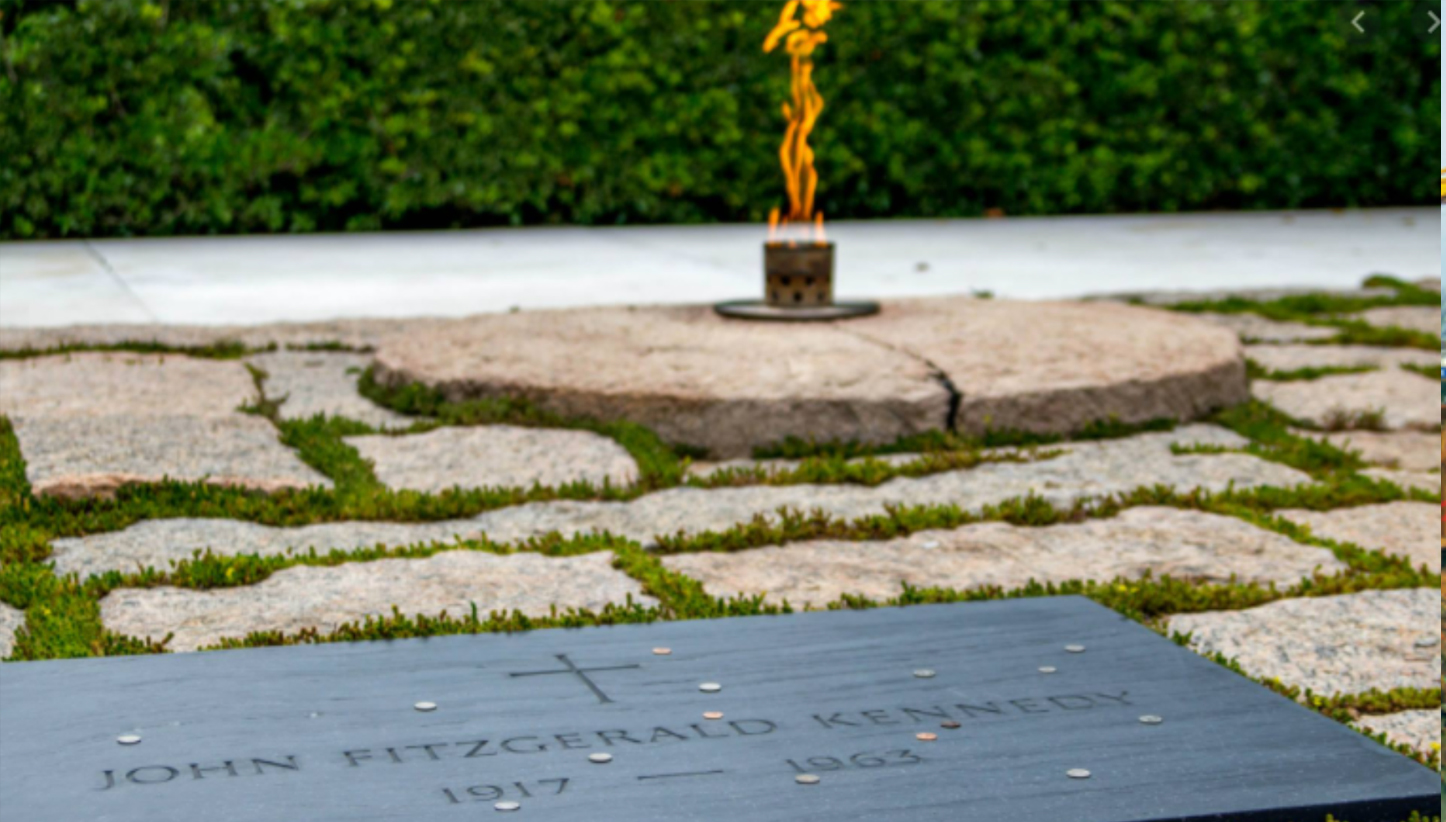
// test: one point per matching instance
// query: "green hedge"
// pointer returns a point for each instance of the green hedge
(122, 117)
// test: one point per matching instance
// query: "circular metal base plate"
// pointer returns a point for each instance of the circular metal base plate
(760, 310)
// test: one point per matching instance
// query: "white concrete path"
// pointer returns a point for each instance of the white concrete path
(219, 280)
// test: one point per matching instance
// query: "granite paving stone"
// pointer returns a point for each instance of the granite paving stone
(1406, 529)
(1419, 729)
(1406, 450)
(11, 619)
(317, 382)
(1085, 469)
(84, 457)
(89, 422)
(487, 456)
(692, 376)
(1415, 317)
(1057, 366)
(1406, 400)
(1348, 644)
(326, 597)
(157, 543)
(1292, 357)
(89, 384)
(1163, 541)
(1256, 328)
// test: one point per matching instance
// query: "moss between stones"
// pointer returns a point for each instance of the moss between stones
(947, 441)
(1328, 310)
(1256, 371)
(62, 614)
(221, 350)
(1428, 371)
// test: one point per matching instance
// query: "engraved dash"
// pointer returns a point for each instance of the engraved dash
(676, 775)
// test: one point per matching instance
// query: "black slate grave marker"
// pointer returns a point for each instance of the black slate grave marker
(343, 732)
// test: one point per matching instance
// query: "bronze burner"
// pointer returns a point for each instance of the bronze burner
(797, 285)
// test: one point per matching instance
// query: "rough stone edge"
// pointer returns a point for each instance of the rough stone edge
(659, 412)
(1198, 393)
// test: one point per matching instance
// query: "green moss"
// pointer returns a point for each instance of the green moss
(1430, 372)
(1256, 371)
(1269, 431)
(946, 441)
(868, 470)
(1355, 420)
(1328, 310)
(223, 350)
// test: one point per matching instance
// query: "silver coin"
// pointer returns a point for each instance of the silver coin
(425, 707)
(1077, 773)
(806, 779)
(1075, 649)
(1151, 719)
(710, 687)
(129, 739)
(1047, 669)
(507, 806)
(924, 673)
(600, 758)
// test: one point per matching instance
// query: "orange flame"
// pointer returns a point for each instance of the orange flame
(800, 38)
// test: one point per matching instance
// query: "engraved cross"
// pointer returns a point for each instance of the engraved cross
(580, 673)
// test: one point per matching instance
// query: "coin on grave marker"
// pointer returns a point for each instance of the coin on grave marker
(1075, 649)
(129, 739)
(1048, 669)
(1077, 773)
(424, 707)
(662, 651)
(806, 779)
(710, 687)
(600, 758)
(1151, 719)
(926, 736)
(507, 806)
(949, 723)
(924, 673)
(712, 714)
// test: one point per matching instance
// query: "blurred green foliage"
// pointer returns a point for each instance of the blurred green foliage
(122, 117)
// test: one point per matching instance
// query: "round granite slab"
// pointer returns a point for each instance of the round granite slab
(732, 385)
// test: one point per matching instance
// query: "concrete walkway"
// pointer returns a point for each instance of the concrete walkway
(218, 280)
